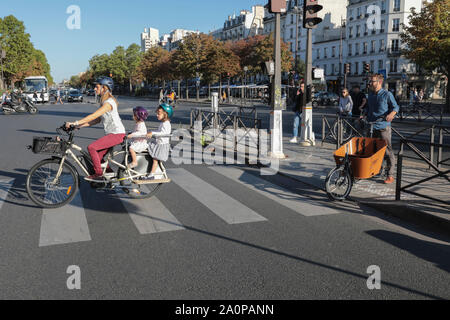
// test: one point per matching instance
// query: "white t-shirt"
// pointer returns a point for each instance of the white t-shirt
(111, 119)
(165, 128)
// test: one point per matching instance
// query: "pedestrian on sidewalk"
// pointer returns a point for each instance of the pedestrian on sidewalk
(359, 100)
(345, 103)
(382, 105)
(298, 108)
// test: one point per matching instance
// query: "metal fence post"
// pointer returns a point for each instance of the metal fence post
(398, 187)
(441, 142)
(431, 145)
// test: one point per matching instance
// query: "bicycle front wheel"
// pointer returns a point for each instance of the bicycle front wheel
(48, 191)
(338, 183)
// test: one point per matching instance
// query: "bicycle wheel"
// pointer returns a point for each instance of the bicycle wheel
(141, 191)
(45, 191)
(347, 131)
(338, 183)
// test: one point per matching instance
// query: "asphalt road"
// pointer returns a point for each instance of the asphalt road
(214, 232)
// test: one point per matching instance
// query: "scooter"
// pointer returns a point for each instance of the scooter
(22, 104)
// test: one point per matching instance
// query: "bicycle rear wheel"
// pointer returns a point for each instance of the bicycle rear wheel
(338, 183)
(347, 131)
(48, 192)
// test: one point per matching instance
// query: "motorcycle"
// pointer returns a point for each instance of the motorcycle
(19, 104)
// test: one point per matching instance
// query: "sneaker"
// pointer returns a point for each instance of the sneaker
(389, 180)
(293, 140)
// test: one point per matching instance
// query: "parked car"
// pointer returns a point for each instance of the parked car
(325, 99)
(75, 95)
(90, 92)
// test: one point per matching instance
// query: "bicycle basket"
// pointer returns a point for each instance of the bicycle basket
(47, 145)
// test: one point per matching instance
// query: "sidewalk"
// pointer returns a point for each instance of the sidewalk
(311, 165)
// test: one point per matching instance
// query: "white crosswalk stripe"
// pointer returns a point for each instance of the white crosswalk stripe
(64, 225)
(227, 208)
(151, 216)
(295, 202)
(5, 185)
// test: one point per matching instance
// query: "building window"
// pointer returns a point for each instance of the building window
(318, 53)
(380, 65)
(357, 30)
(383, 6)
(292, 33)
(350, 32)
(393, 65)
(358, 12)
(332, 68)
(333, 51)
(356, 67)
(299, 46)
(365, 48)
(356, 48)
(325, 69)
(350, 49)
(372, 46)
(292, 19)
(381, 45)
(325, 53)
(395, 25)
(396, 5)
(372, 65)
(394, 45)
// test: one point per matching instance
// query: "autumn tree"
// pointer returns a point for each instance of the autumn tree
(427, 38)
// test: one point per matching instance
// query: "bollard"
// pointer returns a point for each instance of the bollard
(398, 185)
(215, 109)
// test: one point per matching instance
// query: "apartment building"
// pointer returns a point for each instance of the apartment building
(149, 39)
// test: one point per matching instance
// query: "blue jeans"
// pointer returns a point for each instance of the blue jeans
(297, 119)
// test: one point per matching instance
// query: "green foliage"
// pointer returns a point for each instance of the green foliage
(427, 36)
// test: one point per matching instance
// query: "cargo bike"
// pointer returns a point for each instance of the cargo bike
(359, 158)
(54, 182)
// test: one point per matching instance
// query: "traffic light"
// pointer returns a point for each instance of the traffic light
(347, 68)
(366, 67)
(310, 9)
(276, 6)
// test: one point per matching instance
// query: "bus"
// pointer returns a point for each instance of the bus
(36, 84)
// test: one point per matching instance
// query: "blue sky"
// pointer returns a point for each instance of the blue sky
(107, 24)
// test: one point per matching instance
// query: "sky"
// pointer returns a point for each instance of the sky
(107, 24)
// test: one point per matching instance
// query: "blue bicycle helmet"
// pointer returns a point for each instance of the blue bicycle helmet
(105, 81)
(167, 108)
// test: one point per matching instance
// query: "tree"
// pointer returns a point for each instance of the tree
(154, 65)
(133, 56)
(117, 65)
(427, 38)
(19, 49)
(99, 65)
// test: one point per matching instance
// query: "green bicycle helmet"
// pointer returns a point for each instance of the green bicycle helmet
(167, 108)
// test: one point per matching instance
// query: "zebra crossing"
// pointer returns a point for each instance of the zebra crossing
(69, 225)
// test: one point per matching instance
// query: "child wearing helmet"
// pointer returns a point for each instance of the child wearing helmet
(160, 149)
(139, 143)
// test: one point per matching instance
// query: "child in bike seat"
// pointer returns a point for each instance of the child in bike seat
(139, 142)
(159, 149)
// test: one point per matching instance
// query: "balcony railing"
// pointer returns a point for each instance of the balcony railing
(394, 52)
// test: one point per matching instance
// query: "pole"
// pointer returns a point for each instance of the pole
(341, 57)
(277, 123)
(296, 34)
(307, 136)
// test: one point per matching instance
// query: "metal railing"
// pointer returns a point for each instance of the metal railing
(441, 167)
(221, 121)
(421, 112)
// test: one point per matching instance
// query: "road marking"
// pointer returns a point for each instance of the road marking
(300, 204)
(227, 208)
(64, 225)
(151, 216)
(5, 185)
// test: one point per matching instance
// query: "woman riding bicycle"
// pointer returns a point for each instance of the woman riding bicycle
(113, 126)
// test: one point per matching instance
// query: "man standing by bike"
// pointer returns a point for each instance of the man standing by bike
(113, 126)
(382, 105)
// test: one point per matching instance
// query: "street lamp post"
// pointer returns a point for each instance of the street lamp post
(2, 56)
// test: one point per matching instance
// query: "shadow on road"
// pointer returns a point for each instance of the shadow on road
(439, 254)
